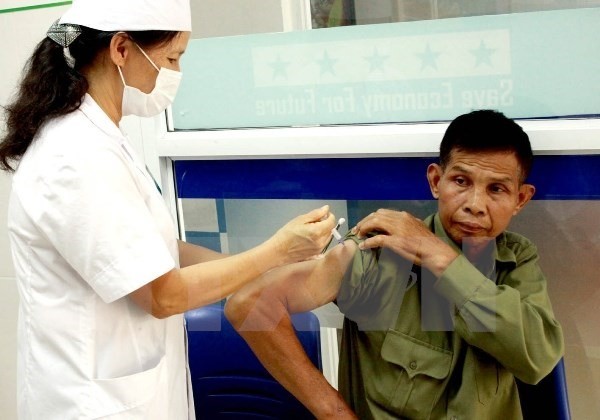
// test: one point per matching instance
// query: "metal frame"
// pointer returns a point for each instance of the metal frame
(555, 136)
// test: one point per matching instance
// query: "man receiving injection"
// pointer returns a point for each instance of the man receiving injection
(441, 314)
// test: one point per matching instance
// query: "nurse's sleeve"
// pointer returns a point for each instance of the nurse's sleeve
(91, 210)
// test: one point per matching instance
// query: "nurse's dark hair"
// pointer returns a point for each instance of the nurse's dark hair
(487, 130)
(49, 88)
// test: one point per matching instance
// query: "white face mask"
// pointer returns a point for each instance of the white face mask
(136, 102)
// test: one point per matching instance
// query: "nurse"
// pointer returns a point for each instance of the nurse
(102, 279)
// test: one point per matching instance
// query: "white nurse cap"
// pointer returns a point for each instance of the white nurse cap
(130, 15)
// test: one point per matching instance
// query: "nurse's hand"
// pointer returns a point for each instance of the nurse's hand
(304, 236)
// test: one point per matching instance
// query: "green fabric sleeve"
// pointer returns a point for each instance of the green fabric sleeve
(512, 320)
(373, 288)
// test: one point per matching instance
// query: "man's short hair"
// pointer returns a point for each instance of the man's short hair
(487, 130)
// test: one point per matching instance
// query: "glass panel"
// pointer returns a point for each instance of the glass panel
(331, 13)
(528, 65)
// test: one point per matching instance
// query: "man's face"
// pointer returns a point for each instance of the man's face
(478, 194)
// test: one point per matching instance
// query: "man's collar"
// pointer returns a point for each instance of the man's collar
(500, 253)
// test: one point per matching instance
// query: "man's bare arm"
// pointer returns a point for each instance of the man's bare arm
(260, 312)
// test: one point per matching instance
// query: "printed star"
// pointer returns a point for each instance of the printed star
(376, 61)
(429, 58)
(483, 54)
(279, 67)
(326, 63)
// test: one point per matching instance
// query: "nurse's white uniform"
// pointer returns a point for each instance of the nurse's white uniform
(87, 227)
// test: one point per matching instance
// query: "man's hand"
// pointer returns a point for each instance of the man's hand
(408, 237)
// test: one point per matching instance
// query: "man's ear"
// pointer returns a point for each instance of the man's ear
(434, 175)
(526, 192)
(120, 45)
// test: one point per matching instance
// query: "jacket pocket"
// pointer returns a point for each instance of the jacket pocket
(421, 370)
(486, 376)
(117, 395)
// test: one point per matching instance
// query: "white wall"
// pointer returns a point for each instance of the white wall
(19, 32)
(214, 18)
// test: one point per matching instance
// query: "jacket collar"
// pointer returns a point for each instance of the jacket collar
(501, 253)
(98, 117)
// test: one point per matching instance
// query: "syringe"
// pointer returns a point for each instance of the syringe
(335, 234)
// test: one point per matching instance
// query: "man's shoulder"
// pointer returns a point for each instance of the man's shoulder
(512, 239)
(429, 221)
(522, 247)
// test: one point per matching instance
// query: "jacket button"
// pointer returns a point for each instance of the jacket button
(412, 365)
